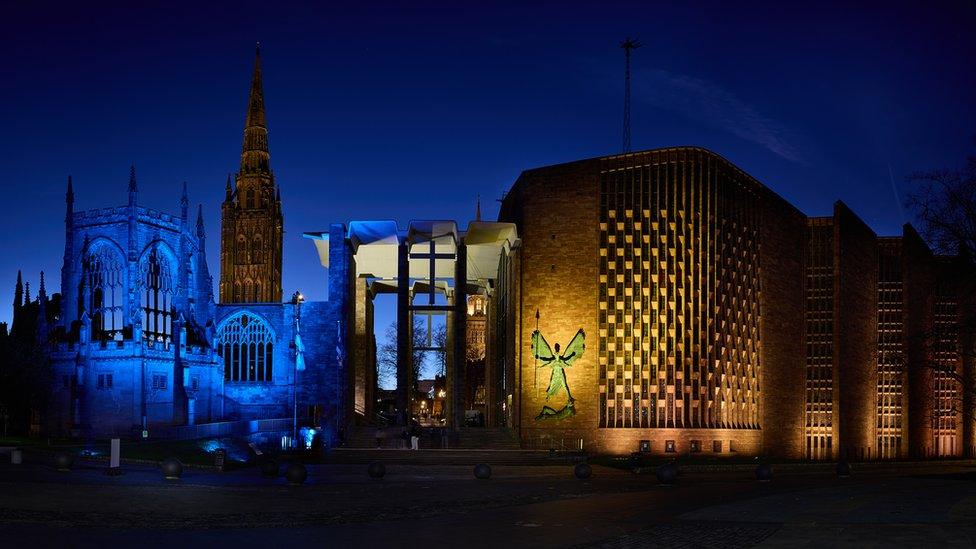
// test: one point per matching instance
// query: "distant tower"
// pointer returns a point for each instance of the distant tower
(628, 45)
(251, 221)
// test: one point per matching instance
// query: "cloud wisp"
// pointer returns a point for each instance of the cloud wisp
(709, 103)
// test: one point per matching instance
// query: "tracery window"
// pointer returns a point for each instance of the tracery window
(241, 249)
(157, 299)
(246, 345)
(257, 253)
(103, 292)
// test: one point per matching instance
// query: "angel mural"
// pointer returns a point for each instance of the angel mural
(546, 358)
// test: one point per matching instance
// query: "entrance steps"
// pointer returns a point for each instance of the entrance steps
(446, 457)
(469, 438)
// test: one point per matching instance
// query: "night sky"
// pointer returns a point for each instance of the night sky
(383, 111)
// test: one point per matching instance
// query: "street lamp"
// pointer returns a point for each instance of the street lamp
(297, 299)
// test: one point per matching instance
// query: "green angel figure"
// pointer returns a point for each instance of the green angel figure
(546, 358)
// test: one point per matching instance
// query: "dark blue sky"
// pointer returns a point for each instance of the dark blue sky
(385, 111)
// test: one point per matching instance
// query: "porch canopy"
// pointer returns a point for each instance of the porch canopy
(375, 250)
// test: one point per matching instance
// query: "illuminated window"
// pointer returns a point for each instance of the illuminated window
(245, 343)
(157, 299)
(102, 291)
(241, 255)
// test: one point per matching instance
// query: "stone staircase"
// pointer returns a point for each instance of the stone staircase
(469, 438)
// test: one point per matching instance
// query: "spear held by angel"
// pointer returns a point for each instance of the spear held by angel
(557, 363)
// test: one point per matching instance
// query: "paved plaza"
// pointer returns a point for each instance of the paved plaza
(520, 506)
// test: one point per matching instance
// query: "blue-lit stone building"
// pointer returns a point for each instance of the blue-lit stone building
(131, 345)
(137, 344)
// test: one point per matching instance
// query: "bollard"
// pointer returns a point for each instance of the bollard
(376, 469)
(582, 471)
(63, 461)
(843, 469)
(667, 474)
(269, 468)
(296, 474)
(16, 456)
(482, 471)
(764, 472)
(172, 469)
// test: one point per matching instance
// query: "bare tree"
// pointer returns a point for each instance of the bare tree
(944, 202)
(387, 358)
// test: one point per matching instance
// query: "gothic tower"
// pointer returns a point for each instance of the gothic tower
(251, 220)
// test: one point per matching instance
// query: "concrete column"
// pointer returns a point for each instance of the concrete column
(460, 322)
(403, 333)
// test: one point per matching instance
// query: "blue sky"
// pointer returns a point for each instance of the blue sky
(384, 110)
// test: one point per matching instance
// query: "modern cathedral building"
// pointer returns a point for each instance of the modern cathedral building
(662, 301)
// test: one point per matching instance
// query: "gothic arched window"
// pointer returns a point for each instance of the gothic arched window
(257, 253)
(157, 299)
(250, 199)
(248, 291)
(258, 297)
(241, 250)
(238, 292)
(102, 292)
(246, 344)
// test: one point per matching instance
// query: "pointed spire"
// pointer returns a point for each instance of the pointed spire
(19, 291)
(69, 195)
(133, 188)
(200, 231)
(228, 193)
(184, 204)
(27, 298)
(477, 213)
(42, 292)
(254, 154)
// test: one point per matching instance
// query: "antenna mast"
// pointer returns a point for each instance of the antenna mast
(627, 45)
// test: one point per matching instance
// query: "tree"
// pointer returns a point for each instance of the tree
(386, 353)
(944, 203)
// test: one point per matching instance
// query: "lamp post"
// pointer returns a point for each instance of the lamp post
(297, 299)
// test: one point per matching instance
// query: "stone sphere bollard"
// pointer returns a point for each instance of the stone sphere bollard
(667, 474)
(296, 473)
(269, 468)
(764, 472)
(843, 469)
(376, 470)
(482, 471)
(172, 469)
(63, 461)
(583, 471)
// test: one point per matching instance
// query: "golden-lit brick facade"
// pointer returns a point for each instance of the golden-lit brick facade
(719, 319)
(678, 339)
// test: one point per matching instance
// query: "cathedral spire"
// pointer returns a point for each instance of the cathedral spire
(228, 192)
(477, 211)
(69, 196)
(27, 298)
(255, 157)
(42, 292)
(133, 188)
(200, 231)
(184, 204)
(18, 291)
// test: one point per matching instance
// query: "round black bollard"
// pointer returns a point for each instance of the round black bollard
(172, 469)
(667, 474)
(583, 471)
(63, 461)
(764, 472)
(296, 474)
(269, 468)
(843, 469)
(482, 471)
(376, 469)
